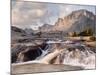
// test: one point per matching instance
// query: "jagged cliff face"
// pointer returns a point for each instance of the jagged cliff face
(76, 21)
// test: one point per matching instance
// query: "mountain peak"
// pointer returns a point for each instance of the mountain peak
(80, 13)
(75, 21)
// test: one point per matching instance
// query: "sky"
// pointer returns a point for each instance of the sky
(34, 14)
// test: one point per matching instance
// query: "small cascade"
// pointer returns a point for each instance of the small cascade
(74, 54)
(77, 54)
(80, 57)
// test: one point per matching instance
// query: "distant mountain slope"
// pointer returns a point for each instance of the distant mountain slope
(17, 32)
(83, 19)
(76, 21)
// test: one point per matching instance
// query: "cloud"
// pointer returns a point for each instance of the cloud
(26, 13)
(66, 9)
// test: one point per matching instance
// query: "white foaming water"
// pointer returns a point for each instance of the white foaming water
(81, 55)
(85, 58)
(60, 41)
(79, 58)
(76, 57)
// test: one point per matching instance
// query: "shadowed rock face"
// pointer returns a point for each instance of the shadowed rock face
(15, 50)
(26, 53)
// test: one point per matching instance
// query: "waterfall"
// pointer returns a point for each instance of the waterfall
(74, 54)
(80, 57)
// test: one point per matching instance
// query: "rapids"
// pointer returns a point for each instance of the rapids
(76, 54)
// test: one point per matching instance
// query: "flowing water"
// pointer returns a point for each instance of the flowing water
(77, 54)
(85, 58)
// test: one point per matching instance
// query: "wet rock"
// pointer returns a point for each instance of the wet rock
(21, 53)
